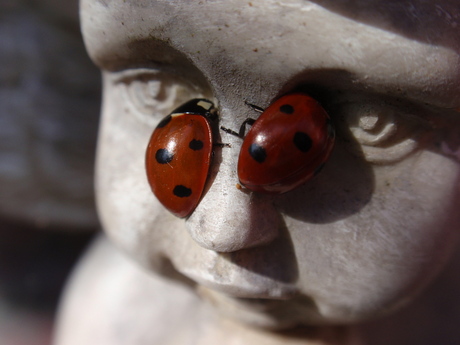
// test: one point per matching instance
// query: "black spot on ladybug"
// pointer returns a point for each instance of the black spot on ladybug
(182, 191)
(257, 152)
(318, 169)
(195, 145)
(163, 156)
(287, 109)
(164, 122)
(302, 141)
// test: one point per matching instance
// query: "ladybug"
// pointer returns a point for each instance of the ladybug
(179, 154)
(286, 146)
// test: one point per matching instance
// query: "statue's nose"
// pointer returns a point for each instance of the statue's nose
(229, 219)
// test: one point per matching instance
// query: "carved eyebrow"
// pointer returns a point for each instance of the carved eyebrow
(441, 90)
(137, 53)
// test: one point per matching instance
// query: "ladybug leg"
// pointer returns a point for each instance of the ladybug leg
(222, 145)
(254, 107)
(241, 132)
(229, 131)
(248, 121)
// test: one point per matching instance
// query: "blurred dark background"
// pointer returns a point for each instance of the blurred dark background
(49, 109)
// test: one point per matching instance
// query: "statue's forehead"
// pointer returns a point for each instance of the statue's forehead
(275, 40)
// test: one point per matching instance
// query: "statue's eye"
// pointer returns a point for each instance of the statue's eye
(386, 132)
(151, 94)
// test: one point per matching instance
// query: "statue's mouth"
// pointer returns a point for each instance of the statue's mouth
(242, 285)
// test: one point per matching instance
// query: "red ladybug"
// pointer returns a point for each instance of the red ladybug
(286, 146)
(179, 155)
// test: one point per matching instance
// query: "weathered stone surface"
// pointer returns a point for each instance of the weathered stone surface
(360, 240)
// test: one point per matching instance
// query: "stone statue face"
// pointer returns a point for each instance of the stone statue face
(361, 237)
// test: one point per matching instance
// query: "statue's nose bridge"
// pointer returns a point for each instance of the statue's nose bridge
(229, 218)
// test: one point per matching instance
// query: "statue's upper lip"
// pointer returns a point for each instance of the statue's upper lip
(242, 287)
(254, 273)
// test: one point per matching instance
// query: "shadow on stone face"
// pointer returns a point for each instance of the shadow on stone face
(432, 22)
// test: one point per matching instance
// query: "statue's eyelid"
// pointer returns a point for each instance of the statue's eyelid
(151, 93)
(386, 132)
(132, 74)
